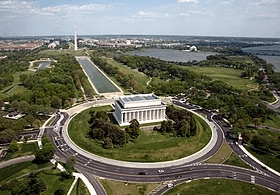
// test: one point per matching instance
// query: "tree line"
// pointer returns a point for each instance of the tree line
(181, 123)
(109, 135)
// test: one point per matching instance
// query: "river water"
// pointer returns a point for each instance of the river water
(273, 59)
(173, 55)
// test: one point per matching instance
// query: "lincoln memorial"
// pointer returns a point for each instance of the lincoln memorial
(146, 108)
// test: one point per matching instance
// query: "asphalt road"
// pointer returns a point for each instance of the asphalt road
(199, 170)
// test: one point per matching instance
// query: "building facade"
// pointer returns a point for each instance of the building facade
(146, 108)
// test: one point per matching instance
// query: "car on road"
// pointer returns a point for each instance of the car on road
(160, 171)
(190, 178)
(188, 169)
(141, 173)
(179, 176)
(263, 167)
(170, 185)
(229, 176)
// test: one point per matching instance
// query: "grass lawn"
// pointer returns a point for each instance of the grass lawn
(150, 146)
(139, 77)
(228, 75)
(15, 87)
(80, 188)
(53, 181)
(273, 122)
(16, 90)
(236, 161)
(219, 187)
(223, 153)
(271, 161)
(25, 150)
(19, 169)
(120, 188)
(86, 84)
(64, 51)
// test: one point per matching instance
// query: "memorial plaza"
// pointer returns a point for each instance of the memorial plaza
(146, 108)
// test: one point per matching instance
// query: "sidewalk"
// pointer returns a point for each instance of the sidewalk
(76, 175)
(16, 160)
(258, 161)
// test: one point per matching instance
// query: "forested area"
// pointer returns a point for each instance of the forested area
(181, 123)
(50, 88)
(233, 104)
(273, 77)
(109, 135)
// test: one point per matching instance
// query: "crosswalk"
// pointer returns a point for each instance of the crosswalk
(252, 179)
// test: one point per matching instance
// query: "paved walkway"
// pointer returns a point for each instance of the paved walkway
(16, 160)
(76, 175)
(257, 160)
(181, 161)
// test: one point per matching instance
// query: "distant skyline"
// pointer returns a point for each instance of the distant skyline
(238, 18)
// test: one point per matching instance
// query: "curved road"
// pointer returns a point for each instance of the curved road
(194, 169)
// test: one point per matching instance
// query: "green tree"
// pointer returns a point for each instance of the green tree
(257, 122)
(29, 119)
(184, 131)
(59, 192)
(55, 102)
(67, 103)
(45, 154)
(241, 123)
(36, 124)
(246, 135)
(13, 147)
(7, 136)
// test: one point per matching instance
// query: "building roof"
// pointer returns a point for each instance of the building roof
(139, 98)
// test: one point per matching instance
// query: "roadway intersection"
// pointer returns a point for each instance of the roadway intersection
(194, 169)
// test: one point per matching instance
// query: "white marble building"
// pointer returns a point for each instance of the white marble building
(146, 108)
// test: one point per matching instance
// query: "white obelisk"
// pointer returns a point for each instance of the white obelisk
(75, 37)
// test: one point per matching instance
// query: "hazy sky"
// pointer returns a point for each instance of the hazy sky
(250, 18)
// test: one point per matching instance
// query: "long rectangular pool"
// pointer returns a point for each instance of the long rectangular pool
(101, 83)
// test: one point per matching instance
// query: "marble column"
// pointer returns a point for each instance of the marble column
(137, 115)
(145, 115)
(127, 114)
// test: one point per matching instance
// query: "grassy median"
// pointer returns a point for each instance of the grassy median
(121, 188)
(150, 146)
(219, 187)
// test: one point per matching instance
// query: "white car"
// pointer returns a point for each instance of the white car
(160, 171)
(170, 185)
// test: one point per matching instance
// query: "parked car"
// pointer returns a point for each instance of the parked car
(141, 173)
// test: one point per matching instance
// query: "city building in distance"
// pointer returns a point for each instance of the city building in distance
(145, 108)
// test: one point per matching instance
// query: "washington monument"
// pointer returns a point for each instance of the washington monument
(75, 37)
